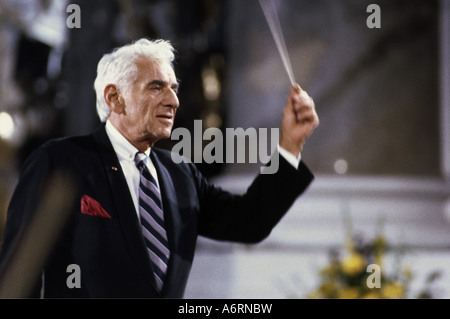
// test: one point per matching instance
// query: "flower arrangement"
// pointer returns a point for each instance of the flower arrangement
(359, 273)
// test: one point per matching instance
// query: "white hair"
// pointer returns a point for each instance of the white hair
(119, 67)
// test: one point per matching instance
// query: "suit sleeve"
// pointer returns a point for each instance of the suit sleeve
(23, 205)
(250, 218)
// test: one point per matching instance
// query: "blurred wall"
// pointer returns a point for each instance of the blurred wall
(376, 90)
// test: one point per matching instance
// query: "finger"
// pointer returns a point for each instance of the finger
(296, 99)
(299, 97)
(305, 105)
(306, 97)
(307, 113)
(305, 117)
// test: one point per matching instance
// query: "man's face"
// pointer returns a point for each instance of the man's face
(150, 103)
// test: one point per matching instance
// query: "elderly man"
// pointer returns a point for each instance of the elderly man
(133, 228)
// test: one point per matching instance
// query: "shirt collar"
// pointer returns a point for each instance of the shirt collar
(123, 148)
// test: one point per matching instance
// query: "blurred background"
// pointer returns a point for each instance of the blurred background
(381, 154)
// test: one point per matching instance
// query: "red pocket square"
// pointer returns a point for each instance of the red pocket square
(90, 206)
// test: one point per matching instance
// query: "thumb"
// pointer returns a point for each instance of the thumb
(294, 98)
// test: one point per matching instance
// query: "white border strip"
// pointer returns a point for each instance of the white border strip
(445, 88)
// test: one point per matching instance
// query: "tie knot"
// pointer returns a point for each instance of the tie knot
(140, 159)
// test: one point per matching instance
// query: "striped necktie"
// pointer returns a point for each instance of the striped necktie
(152, 220)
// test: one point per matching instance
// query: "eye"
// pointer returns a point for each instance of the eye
(156, 87)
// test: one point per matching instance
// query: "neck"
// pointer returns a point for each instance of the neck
(142, 143)
(142, 146)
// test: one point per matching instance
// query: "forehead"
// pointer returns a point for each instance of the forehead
(148, 70)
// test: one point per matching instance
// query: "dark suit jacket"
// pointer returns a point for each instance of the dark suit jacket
(110, 251)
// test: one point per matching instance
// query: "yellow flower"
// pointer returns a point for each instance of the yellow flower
(348, 293)
(353, 264)
(393, 290)
(371, 295)
(327, 288)
(329, 270)
(313, 295)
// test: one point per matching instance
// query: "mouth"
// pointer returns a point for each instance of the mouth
(165, 117)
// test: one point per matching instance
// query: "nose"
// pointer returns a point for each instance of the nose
(171, 99)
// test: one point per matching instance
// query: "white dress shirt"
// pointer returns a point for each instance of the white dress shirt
(288, 156)
(126, 153)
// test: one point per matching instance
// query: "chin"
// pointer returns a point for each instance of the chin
(165, 134)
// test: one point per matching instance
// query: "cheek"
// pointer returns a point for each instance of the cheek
(144, 111)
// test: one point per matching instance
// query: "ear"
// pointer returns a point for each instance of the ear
(114, 99)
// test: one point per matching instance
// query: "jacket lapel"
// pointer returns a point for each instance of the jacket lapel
(171, 212)
(125, 207)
